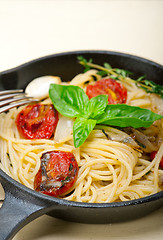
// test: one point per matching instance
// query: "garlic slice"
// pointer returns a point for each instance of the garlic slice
(64, 129)
(39, 87)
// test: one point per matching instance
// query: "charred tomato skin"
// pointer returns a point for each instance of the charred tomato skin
(37, 121)
(116, 92)
(57, 174)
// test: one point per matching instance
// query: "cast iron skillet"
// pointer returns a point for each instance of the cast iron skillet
(22, 204)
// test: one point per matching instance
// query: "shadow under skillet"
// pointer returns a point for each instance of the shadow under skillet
(48, 228)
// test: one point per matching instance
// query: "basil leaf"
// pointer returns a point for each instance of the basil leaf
(81, 130)
(97, 105)
(70, 101)
(123, 115)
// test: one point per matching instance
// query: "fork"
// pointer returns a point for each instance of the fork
(14, 98)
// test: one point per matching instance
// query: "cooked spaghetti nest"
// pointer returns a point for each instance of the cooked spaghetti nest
(112, 166)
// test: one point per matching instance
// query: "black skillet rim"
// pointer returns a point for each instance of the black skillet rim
(67, 203)
(77, 52)
(63, 202)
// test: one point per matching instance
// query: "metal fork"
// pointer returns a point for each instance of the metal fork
(13, 98)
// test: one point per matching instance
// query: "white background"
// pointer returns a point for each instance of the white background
(30, 29)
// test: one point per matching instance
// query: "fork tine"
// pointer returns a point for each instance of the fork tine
(10, 100)
(12, 95)
(16, 104)
(13, 98)
(10, 91)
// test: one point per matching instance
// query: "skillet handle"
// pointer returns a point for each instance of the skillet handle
(19, 208)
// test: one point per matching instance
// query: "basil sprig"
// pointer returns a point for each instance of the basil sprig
(72, 101)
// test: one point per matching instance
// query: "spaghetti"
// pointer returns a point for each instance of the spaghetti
(113, 165)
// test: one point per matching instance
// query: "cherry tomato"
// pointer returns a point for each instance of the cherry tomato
(37, 121)
(116, 92)
(57, 173)
(152, 156)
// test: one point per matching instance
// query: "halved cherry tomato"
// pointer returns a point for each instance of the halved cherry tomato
(116, 92)
(152, 156)
(57, 174)
(37, 121)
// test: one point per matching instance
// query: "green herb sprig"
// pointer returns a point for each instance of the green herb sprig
(150, 86)
(115, 73)
(121, 74)
(72, 101)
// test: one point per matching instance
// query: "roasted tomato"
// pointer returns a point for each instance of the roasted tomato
(57, 173)
(116, 92)
(152, 156)
(37, 121)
